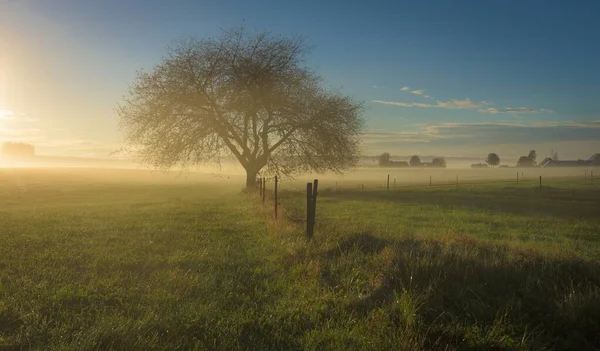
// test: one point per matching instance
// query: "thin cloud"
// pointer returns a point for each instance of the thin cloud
(403, 104)
(375, 137)
(465, 104)
(514, 110)
(405, 88)
(374, 86)
(418, 92)
(21, 134)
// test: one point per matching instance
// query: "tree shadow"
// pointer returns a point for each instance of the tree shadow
(554, 202)
(470, 283)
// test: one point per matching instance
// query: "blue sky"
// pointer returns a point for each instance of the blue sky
(449, 78)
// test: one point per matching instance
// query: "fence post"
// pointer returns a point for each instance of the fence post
(264, 189)
(276, 183)
(429, 181)
(388, 183)
(457, 180)
(309, 193)
(540, 183)
(522, 178)
(314, 203)
(517, 179)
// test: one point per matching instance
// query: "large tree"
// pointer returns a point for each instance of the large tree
(384, 159)
(532, 156)
(493, 159)
(439, 162)
(525, 161)
(415, 161)
(249, 95)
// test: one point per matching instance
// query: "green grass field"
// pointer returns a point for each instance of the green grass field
(107, 259)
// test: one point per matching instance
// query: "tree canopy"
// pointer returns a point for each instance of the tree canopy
(525, 161)
(532, 156)
(384, 159)
(415, 161)
(439, 162)
(244, 94)
(493, 159)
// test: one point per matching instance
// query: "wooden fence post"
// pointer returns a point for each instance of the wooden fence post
(457, 180)
(540, 183)
(309, 227)
(388, 183)
(429, 181)
(517, 179)
(314, 202)
(276, 187)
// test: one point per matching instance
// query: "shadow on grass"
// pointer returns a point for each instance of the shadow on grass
(467, 288)
(555, 202)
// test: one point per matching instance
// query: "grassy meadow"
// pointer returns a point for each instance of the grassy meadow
(126, 259)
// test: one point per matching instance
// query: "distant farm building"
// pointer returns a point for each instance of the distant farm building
(19, 151)
(479, 165)
(432, 165)
(592, 161)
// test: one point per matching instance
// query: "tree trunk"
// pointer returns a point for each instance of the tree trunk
(251, 178)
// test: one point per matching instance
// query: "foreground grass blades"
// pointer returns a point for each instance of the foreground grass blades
(113, 262)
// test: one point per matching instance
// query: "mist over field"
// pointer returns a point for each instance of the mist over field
(368, 173)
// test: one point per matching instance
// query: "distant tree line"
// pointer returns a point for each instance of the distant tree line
(528, 161)
(415, 161)
(493, 160)
(17, 150)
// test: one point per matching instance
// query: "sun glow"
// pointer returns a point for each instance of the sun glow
(6, 114)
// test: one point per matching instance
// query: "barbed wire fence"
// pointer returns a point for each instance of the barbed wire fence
(270, 190)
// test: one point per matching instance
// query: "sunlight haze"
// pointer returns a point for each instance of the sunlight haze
(459, 80)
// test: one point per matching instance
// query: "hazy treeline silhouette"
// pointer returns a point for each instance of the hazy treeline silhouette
(17, 150)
